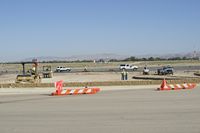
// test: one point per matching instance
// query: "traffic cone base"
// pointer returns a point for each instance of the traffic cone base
(77, 91)
(164, 86)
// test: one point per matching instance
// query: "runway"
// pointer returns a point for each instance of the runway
(115, 111)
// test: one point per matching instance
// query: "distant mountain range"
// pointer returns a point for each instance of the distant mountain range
(188, 55)
(108, 56)
(80, 57)
(172, 55)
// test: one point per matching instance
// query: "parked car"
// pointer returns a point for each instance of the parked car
(165, 70)
(128, 67)
(61, 69)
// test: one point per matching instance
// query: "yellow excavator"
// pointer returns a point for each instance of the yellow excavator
(30, 76)
(47, 72)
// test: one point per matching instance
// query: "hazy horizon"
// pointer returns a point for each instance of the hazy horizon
(62, 28)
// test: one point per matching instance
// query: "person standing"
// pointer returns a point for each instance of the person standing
(123, 74)
(126, 75)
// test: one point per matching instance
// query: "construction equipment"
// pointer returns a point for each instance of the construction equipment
(146, 71)
(31, 76)
(47, 72)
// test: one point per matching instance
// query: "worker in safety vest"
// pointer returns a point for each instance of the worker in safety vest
(124, 75)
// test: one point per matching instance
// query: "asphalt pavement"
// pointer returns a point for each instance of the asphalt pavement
(120, 111)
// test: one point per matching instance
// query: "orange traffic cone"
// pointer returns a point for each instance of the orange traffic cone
(164, 86)
(58, 86)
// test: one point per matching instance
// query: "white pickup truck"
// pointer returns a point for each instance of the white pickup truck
(61, 69)
(128, 67)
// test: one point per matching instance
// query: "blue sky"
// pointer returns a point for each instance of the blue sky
(31, 28)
